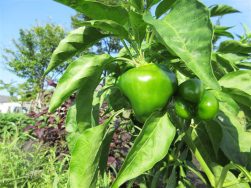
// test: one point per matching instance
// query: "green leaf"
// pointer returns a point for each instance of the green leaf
(233, 126)
(138, 4)
(86, 156)
(98, 11)
(108, 26)
(171, 181)
(138, 26)
(215, 135)
(150, 3)
(76, 76)
(71, 139)
(231, 181)
(76, 41)
(227, 64)
(235, 47)
(84, 102)
(202, 142)
(150, 146)
(244, 65)
(71, 123)
(220, 10)
(105, 152)
(222, 31)
(163, 7)
(192, 43)
(239, 79)
(239, 96)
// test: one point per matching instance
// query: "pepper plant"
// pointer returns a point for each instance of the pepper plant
(201, 128)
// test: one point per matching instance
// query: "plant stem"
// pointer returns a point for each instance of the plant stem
(225, 171)
(200, 159)
(128, 50)
(151, 38)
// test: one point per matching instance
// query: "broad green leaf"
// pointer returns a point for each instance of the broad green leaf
(228, 65)
(138, 4)
(88, 154)
(150, 146)
(171, 181)
(150, 3)
(163, 7)
(231, 181)
(71, 139)
(189, 36)
(202, 142)
(84, 102)
(105, 152)
(220, 10)
(108, 26)
(215, 135)
(76, 76)
(235, 47)
(233, 58)
(71, 122)
(239, 96)
(239, 79)
(76, 41)
(244, 65)
(98, 11)
(138, 26)
(233, 128)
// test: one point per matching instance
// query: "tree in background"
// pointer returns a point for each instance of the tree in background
(31, 55)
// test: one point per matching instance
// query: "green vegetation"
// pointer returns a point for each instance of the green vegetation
(25, 162)
(165, 111)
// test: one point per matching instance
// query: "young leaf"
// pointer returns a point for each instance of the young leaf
(189, 36)
(76, 76)
(235, 47)
(220, 10)
(98, 11)
(149, 147)
(108, 26)
(239, 79)
(222, 31)
(163, 7)
(76, 41)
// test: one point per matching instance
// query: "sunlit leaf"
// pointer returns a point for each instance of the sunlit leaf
(77, 75)
(75, 42)
(220, 10)
(149, 147)
(98, 11)
(109, 26)
(233, 46)
(189, 36)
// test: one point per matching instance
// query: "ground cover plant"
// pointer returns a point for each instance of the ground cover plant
(171, 80)
(26, 162)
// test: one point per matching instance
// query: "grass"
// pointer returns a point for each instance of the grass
(25, 162)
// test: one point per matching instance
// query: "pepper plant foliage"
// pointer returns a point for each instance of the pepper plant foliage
(180, 36)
